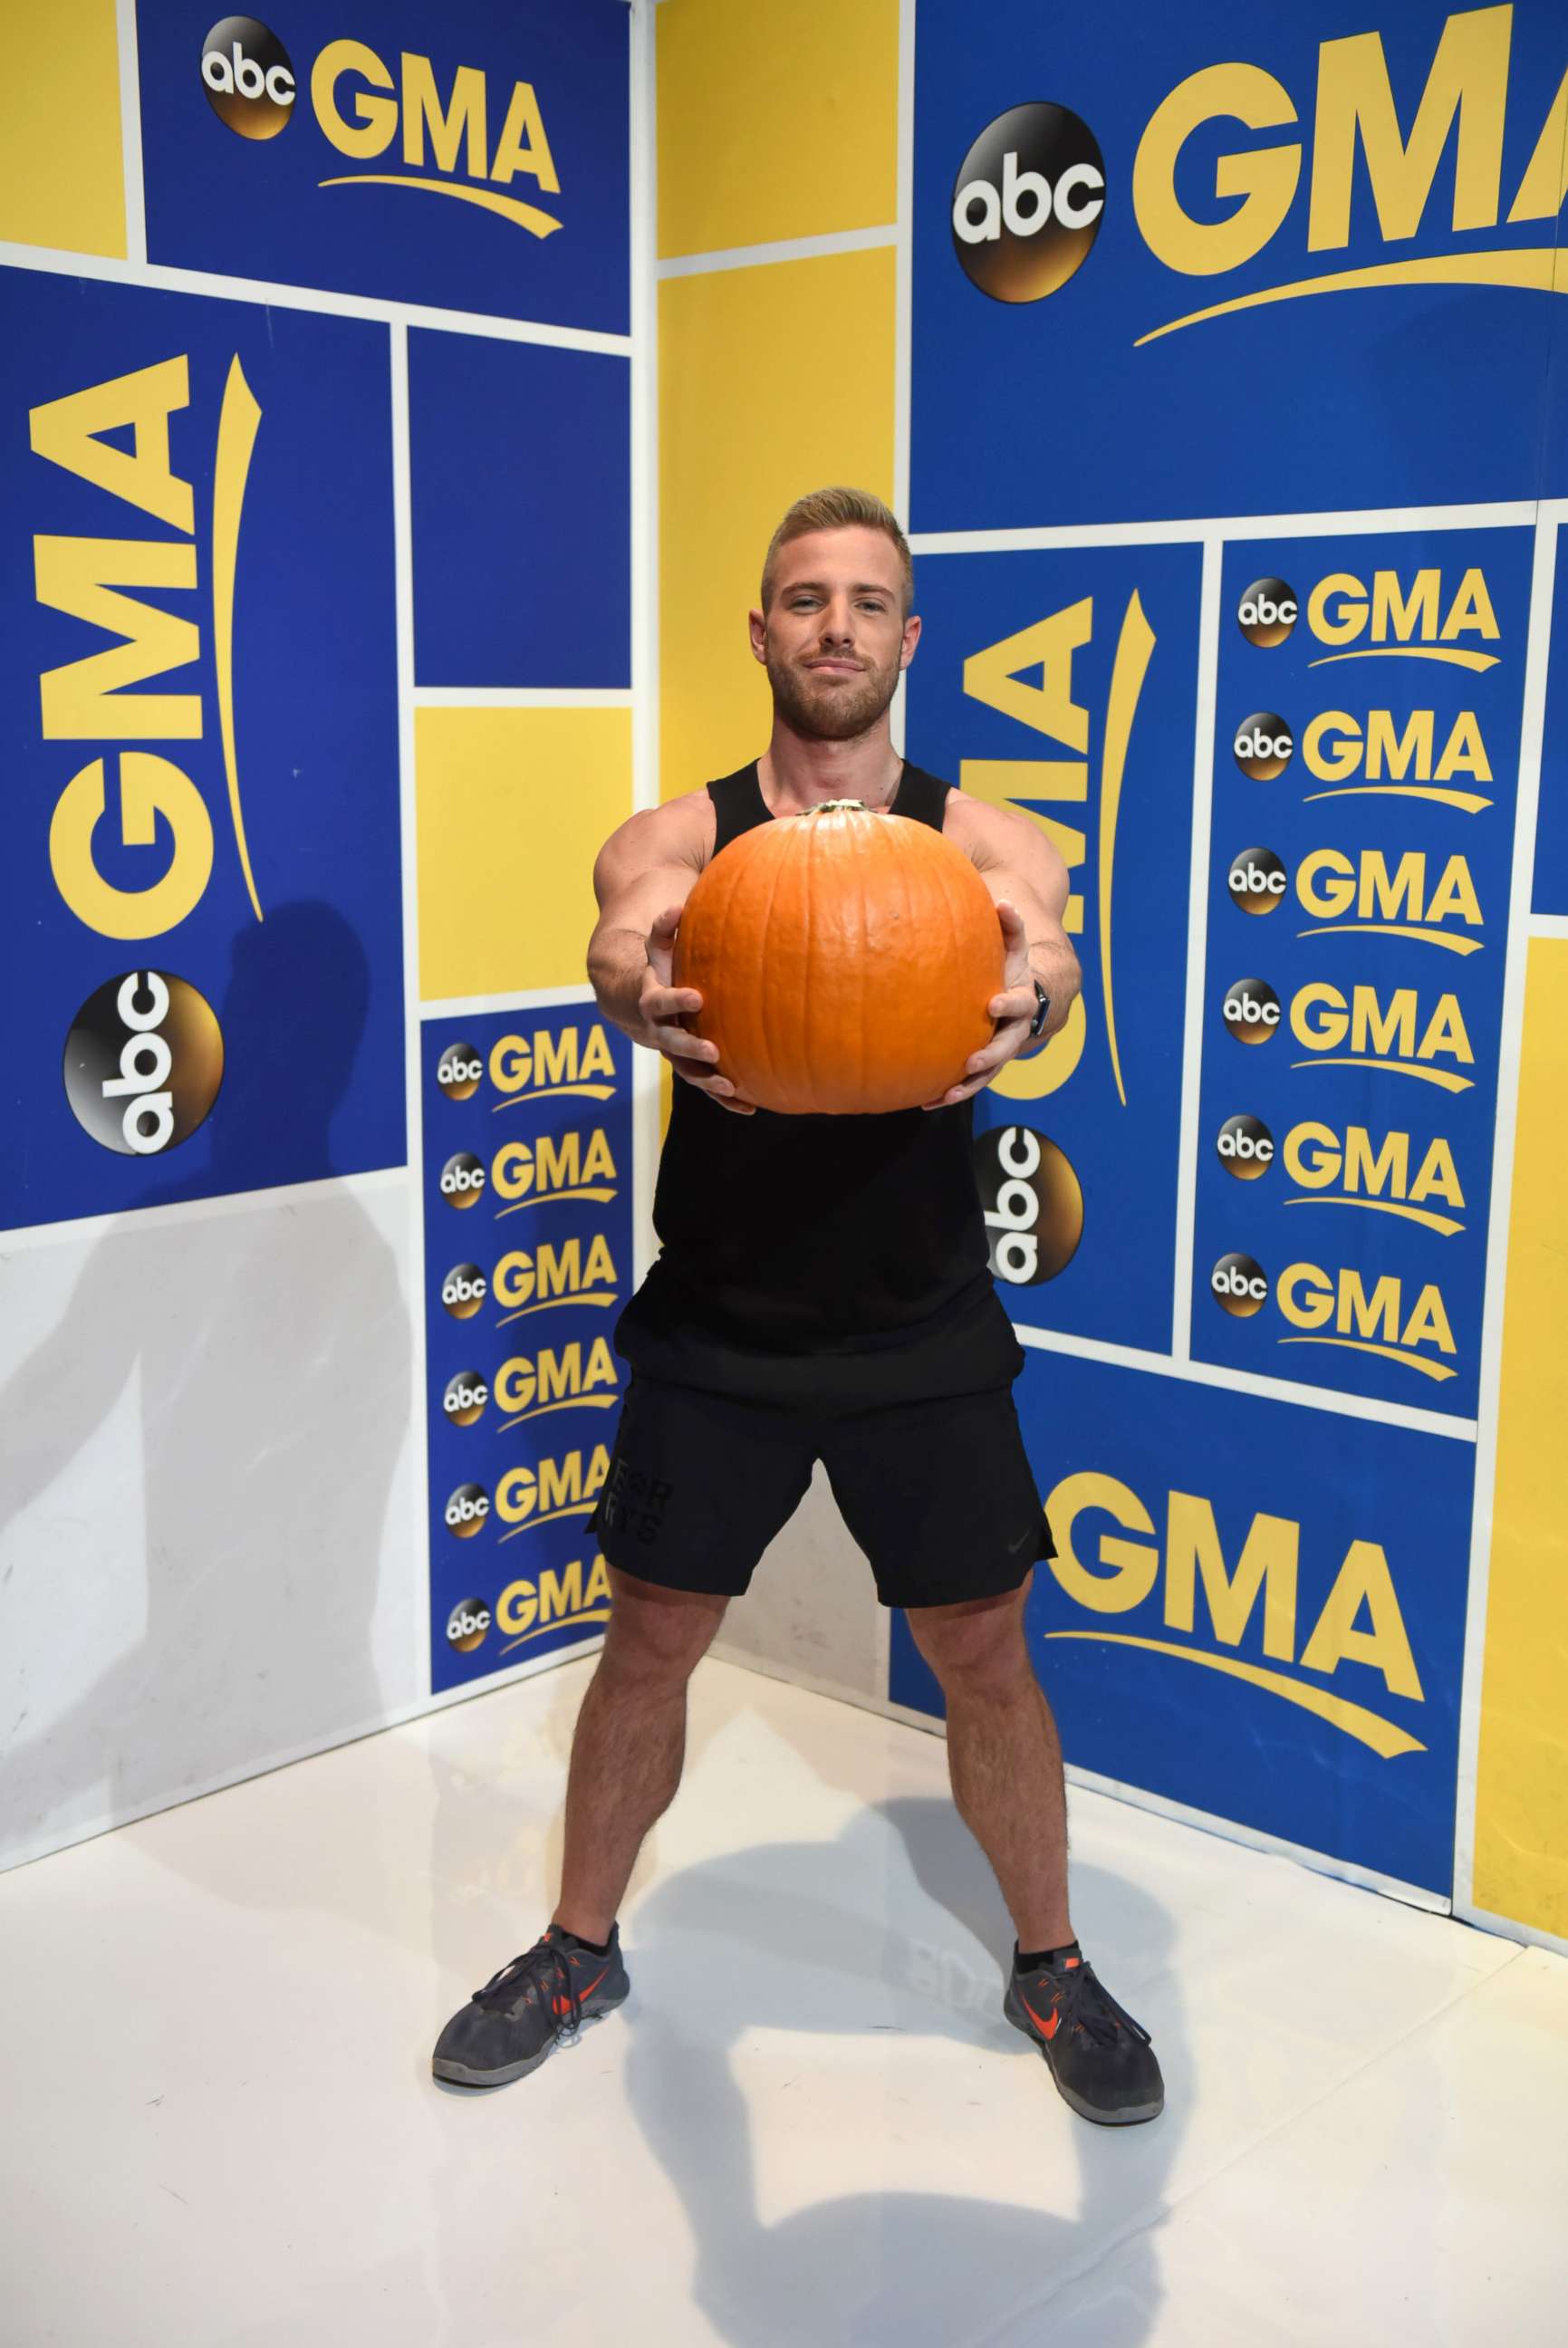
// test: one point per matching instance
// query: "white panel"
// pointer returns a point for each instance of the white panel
(811, 1614)
(208, 1562)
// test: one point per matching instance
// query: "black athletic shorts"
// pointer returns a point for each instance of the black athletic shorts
(939, 1496)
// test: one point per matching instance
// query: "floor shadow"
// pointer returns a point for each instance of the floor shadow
(896, 1925)
(783, 1940)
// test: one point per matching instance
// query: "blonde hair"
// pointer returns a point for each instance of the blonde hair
(837, 508)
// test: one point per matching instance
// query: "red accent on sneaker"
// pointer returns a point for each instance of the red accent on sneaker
(563, 2004)
(1050, 2027)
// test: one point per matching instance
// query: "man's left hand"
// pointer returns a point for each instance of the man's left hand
(1013, 1010)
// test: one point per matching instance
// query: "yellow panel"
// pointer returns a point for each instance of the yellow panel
(774, 122)
(1521, 1799)
(742, 434)
(512, 807)
(62, 180)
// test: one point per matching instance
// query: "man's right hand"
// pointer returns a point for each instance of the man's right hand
(661, 1005)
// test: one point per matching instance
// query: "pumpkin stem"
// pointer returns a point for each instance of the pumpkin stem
(826, 807)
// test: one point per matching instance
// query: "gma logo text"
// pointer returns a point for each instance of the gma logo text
(1001, 675)
(1393, 1175)
(144, 799)
(541, 1495)
(1347, 132)
(1394, 1319)
(1399, 758)
(1358, 896)
(1255, 1598)
(557, 1598)
(564, 1377)
(1388, 620)
(361, 106)
(551, 1062)
(1399, 1033)
(566, 1271)
(555, 1170)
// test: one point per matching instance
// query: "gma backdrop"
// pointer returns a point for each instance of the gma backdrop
(1233, 434)
(1211, 365)
(1215, 360)
(314, 1175)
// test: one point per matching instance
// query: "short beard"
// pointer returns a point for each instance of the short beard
(838, 715)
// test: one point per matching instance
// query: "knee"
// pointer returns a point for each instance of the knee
(978, 1649)
(656, 1637)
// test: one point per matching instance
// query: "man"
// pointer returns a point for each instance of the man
(823, 1293)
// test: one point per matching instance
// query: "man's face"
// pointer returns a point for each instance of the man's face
(834, 638)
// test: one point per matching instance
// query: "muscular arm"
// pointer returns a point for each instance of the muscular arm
(648, 866)
(642, 878)
(1029, 886)
(1020, 866)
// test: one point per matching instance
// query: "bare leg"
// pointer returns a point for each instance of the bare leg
(629, 1745)
(626, 1758)
(1004, 1760)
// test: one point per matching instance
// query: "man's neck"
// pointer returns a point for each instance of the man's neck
(797, 772)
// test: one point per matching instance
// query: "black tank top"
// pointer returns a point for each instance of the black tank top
(822, 1261)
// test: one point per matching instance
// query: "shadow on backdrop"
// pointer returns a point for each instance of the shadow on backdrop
(271, 1346)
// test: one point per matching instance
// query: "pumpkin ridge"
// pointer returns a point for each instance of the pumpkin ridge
(717, 961)
(765, 990)
(811, 991)
(958, 957)
(863, 1070)
(911, 926)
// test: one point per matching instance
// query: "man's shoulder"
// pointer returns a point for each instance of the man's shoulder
(679, 830)
(981, 821)
(684, 828)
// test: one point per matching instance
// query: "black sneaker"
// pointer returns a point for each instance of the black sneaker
(538, 2001)
(1100, 2059)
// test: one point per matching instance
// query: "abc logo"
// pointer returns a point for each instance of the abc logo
(462, 1178)
(1033, 1203)
(1251, 1011)
(1268, 612)
(1240, 1285)
(248, 76)
(466, 1509)
(1026, 202)
(464, 1290)
(1257, 880)
(1264, 745)
(1246, 1147)
(459, 1070)
(465, 1398)
(144, 1063)
(466, 1624)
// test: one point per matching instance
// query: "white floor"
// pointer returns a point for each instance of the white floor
(808, 2124)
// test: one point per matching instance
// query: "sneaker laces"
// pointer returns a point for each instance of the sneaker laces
(1088, 2006)
(545, 1969)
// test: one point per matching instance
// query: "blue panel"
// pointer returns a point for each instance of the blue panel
(521, 498)
(1029, 411)
(309, 998)
(1393, 828)
(1174, 1473)
(527, 1119)
(1116, 1285)
(409, 216)
(1552, 833)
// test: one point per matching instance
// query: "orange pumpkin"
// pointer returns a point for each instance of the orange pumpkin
(845, 959)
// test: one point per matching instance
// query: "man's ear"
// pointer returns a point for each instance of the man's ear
(757, 625)
(911, 638)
